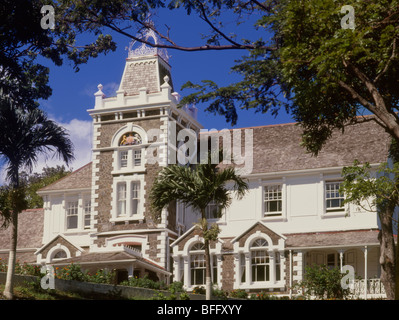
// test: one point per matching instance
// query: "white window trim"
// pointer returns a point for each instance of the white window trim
(272, 251)
(81, 198)
(332, 213)
(114, 204)
(130, 168)
(277, 217)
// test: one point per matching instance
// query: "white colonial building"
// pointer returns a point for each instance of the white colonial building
(100, 217)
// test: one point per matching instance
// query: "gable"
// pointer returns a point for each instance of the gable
(257, 227)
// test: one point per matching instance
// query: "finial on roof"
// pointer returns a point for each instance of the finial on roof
(146, 49)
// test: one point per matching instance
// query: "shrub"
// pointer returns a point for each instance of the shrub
(199, 290)
(323, 283)
(219, 293)
(239, 293)
(144, 282)
(72, 272)
(101, 276)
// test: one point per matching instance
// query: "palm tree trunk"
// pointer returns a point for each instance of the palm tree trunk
(208, 280)
(9, 287)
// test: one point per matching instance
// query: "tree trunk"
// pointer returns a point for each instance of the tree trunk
(208, 280)
(387, 254)
(9, 287)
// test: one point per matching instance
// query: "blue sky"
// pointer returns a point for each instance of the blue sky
(73, 93)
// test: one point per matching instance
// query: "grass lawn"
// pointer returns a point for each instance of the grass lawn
(33, 291)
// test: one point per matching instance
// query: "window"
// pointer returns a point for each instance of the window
(137, 158)
(87, 213)
(135, 197)
(273, 200)
(260, 262)
(212, 211)
(121, 195)
(197, 266)
(334, 199)
(72, 214)
(60, 255)
(124, 157)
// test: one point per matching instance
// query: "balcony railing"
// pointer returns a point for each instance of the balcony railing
(375, 288)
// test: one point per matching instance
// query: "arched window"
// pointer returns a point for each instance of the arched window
(260, 262)
(198, 266)
(61, 254)
(130, 151)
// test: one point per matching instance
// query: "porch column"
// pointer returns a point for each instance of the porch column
(130, 270)
(290, 264)
(248, 269)
(176, 269)
(186, 271)
(341, 259)
(365, 272)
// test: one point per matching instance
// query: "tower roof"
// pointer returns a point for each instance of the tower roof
(146, 66)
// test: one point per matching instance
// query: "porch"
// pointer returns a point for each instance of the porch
(358, 249)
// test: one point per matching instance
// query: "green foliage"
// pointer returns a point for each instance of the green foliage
(35, 181)
(199, 290)
(71, 272)
(144, 282)
(371, 189)
(323, 283)
(239, 293)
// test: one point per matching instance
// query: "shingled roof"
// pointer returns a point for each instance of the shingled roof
(30, 230)
(335, 238)
(277, 147)
(78, 179)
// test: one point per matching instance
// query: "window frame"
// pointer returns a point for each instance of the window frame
(72, 211)
(277, 215)
(129, 182)
(333, 210)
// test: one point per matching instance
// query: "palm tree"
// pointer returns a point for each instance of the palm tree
(24, 136)
(197, 187)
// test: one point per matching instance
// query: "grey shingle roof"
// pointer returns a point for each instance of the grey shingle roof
(277, 148)
(78, 179)
(30, 230)
(336, 238)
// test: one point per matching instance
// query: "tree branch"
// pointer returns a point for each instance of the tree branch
(393, 56)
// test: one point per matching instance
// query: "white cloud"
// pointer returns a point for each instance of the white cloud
(80, 133)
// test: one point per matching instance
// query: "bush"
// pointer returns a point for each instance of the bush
(239, 293)
(144, 282)
(101, 276)
(323, 283)
(71, 272)
(199, 290)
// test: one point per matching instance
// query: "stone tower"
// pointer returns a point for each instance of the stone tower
(131, 138)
